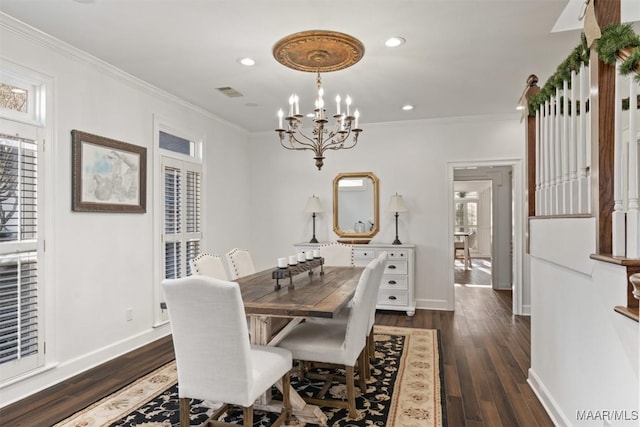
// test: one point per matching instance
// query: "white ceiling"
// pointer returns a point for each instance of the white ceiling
(460, 58)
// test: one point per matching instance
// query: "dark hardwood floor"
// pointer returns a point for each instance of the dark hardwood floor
(486, 354)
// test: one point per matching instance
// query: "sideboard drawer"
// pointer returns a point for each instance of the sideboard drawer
(396, 267)
(398, 254)
(393, 297)
(393, 282)
(363, 254)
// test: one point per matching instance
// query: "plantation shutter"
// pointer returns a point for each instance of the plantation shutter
(182, 215)
(21, 343)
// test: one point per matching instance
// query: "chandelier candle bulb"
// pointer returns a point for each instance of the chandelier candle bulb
(280, 114)
(356, 114)
(338, 105)
(348, 102)
(291, 106)
(295, 101)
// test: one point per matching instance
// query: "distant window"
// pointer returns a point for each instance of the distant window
(14, 98)
(21, 98)
(177, 144)
(351, 182)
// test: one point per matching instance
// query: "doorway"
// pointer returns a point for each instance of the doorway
(496, 254)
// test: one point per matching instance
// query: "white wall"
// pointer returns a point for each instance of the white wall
(584, 356)
(410, 158)
(99, 264)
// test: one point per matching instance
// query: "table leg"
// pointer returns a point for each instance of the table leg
(467, 261)
(304, 412)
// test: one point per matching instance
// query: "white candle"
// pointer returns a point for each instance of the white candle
(301, 256)
(280, 114)
(295, 100)
(338, 105)
(309, 255)
(356, 115)
(291, 106)
(293, 260)
(282, 262)
(348, 102)
(316, 253)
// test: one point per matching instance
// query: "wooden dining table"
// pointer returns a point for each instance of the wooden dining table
(320, 292)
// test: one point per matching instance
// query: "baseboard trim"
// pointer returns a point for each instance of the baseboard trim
(434, 304)
(547, 401)
(27, 385)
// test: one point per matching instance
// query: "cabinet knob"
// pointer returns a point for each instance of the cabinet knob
(391, 267)
(392, 282)
(392, 297)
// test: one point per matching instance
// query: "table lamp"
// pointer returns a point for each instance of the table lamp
(396, 205)
(313, 206)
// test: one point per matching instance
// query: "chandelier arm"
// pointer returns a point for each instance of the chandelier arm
(342, 146)
(312, 144)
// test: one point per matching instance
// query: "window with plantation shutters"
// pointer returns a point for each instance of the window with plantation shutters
(178, 178)
(21, 341)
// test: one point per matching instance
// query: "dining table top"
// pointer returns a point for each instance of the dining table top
(312, 295)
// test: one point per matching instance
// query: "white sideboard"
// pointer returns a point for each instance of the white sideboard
(397, 287)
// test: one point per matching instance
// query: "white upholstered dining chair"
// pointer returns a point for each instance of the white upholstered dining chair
(214, 358)
(240, 263)
(341, 343)
(343, 316)
(336, 254)
(210, 265)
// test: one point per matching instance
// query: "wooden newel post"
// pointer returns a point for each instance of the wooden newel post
(602, 106)
(532, 89)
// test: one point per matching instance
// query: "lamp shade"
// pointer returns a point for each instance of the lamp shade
(313, 205)
(396, 204)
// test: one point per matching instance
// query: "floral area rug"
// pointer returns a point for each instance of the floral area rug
(405, 390)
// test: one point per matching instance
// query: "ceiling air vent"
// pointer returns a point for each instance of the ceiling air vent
(230, 92)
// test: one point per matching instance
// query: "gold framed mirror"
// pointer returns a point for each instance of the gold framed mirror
(355, 205)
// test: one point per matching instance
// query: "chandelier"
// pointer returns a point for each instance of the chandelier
(319, 51)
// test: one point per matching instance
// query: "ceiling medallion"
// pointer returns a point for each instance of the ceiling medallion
(319, 51)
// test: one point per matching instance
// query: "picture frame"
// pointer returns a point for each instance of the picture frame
(107, 175)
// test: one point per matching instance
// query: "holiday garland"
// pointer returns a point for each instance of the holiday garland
(618, 41)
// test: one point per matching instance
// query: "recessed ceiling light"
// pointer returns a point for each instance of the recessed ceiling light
(247, 61)
(394, 42)
(407, 107)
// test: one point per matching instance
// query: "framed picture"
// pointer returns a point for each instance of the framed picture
(108, 175)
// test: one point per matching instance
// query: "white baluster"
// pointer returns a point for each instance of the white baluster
(548, 160)
(557, 125)
(633, 216)
(618, 233)
(564, 141)
(583, 182)
(573, 147)
(538, 198)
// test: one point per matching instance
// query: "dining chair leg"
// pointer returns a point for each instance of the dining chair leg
(363, 366)
(372, 346)
(286, 397)
(247, 414)
(185, 408)
(351, 392)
